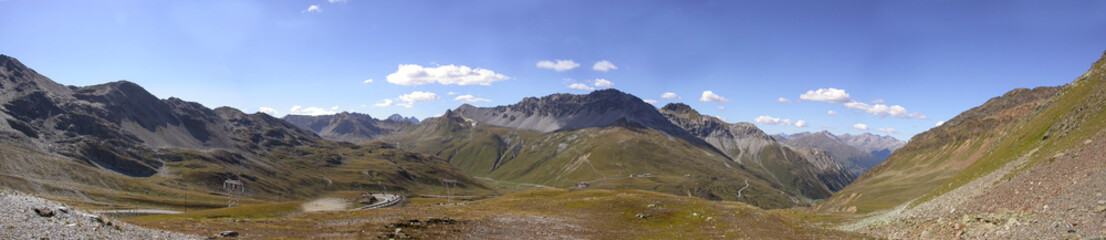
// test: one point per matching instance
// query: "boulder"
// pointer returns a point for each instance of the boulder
(44, 212)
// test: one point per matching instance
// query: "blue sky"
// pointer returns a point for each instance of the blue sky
(931, 58)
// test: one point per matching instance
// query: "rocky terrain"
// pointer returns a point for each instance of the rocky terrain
(23, 216)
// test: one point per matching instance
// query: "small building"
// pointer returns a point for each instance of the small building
(582, 185)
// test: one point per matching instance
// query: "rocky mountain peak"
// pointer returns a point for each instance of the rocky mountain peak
(400, 118)
(679, 108)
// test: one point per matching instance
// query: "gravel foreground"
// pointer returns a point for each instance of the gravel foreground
(19, 219)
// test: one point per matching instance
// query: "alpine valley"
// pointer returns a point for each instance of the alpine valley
(603, 165)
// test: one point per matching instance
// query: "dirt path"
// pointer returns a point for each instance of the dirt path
(325, 204)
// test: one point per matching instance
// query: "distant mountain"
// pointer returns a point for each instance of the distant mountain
(400, 118)
(858, 153)
(114, 140)
(873, 143)
(351, 127)
(605, 137)
(748, 145)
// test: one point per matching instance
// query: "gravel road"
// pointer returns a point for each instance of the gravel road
(20, 220)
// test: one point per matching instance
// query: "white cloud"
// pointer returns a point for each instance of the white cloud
(383, 103)
(603, 66)
(887, 130)
(832, 112)
(417, 96)
(560, 65)
(831, 95)
(669, 95)
(721, 108)
(884, 110)
(603, 83)
(311, 111)
(649, 101)
(337, 1)
(861, 126)
(709, 96)
(414, 74)
(877, 100)
(581, 86)
(452, 93)
(370, 80)
(777, 121)
(268, 110)
(313, 8)
(334, 108)
(783, 100)
(939, 123)
(470, 98)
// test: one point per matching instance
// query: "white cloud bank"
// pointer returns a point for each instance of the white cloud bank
(884, 110)
(777, 121)
(312, 9)
(861, 126)
(268, 110)
(603, 83)
(709, 96)
(581, 86)
(830, 95)
(559, 65)
(384, 103)
(649, 101)
(370, 80)
(414, 74)
(783, 100)
(470, 98)
(939, 123)
(312, 111)
(603, 66)
(831, 112)
(670, 95)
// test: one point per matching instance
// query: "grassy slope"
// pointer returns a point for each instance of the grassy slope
(192, 179)
(604, 157)
(1073, 116)
(938, 155)
(545, 213)
(980, 141)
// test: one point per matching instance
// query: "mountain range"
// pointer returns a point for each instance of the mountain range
(603, 138)
(857, 153)
(351, 127)
(116, 142)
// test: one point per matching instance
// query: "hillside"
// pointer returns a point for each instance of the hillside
(351, 127)
(534, 214)
(790, 168)
(116, 144)
(1030, 159)
(603, 138)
